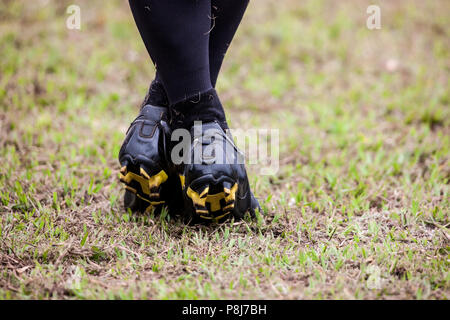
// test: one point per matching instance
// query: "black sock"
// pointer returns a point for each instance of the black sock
(226, 15)
(177, 36)
(156, 95)
(205, 107)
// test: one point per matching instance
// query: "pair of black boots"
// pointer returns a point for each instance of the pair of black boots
(192, 168)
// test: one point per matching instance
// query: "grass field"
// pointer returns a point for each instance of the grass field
(359, 208)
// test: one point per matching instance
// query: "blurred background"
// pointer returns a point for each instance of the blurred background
(363, 114)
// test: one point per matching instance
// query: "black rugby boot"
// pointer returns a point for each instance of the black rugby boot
(212, 173)
(149, 182)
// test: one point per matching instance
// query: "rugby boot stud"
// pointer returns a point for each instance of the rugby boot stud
(213, 177)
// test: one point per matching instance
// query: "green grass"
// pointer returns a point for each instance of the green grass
(358, 210)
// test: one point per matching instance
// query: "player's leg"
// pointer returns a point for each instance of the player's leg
(176, 34)
(226, 17)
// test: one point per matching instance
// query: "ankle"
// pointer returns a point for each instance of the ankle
(205, 107)
(156, 95)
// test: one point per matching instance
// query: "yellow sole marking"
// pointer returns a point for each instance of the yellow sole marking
(232, 193)
(213, 199)
(198, 199)
(230, 206)
(158, 179)
(142, 171)
(228, 195)
(130, 189)
(182, 180)
(215, 218)
(130, 176)
(142, 198)
(220, 217)
(153, 203)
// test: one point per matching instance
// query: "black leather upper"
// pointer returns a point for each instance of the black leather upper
(220, 161)
(145, 140)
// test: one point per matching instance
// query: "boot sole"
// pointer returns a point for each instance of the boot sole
(147, 188)
(211, 199)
